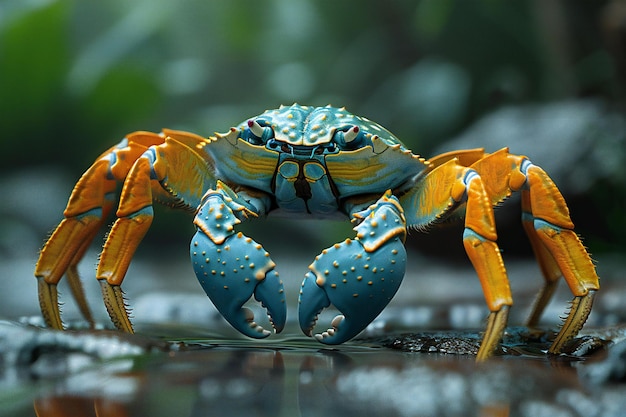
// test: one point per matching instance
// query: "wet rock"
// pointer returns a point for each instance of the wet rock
(436, 342)
(45, 349)
(516, 341)
(611, 369)
(584, 346)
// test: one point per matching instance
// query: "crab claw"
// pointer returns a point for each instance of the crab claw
(234, 271)
(232, 267)
(359, 277)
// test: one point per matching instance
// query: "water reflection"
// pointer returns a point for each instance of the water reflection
(79, 406)
(104, 374)
(305, 381)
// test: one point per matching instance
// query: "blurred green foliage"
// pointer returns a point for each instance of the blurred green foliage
(75, 76)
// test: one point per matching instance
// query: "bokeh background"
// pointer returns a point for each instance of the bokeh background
(544, 77)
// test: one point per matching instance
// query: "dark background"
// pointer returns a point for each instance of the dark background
(76, 76)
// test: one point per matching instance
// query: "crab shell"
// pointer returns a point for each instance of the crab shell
(319, 144)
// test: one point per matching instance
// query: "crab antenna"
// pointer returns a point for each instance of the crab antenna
(351, 134)
(256, 128)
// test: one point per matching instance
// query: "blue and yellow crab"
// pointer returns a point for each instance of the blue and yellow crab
(318, 162)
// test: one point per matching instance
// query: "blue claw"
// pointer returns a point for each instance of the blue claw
(359, 277)
(232, 268)
(231, 273)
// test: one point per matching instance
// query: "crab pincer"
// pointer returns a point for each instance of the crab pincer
(232, 268)
(358, 276)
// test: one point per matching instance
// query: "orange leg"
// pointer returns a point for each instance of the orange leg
(169, 173)
(554, 229)
(73, 278)
(480, 244)
(87, 211)
(546, 220)
(134, 218)
(442, 191)
(474, 182)
(549, 268)
(84, 215)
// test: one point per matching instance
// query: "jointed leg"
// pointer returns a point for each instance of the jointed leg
(159, 174)
(479, 239)
(73, 278)
(554, 229)
(86, 212)
(444, 190)
(90, 204)
(549, 268)
(134, 218)
(546, 220)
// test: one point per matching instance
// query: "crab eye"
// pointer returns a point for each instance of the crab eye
(351, 134)
(350, 137)
(257, 134)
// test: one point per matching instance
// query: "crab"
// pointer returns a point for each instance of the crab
(320, 162)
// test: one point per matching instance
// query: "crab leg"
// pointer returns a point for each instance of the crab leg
(546, 220)
(451, 186)
(548, 266)
(479, 240)
(479, 236)
(73, 278)
(503, 174)
(145, 170)
(134, 216)
(170, 173)
(554, 228)
(86, 212)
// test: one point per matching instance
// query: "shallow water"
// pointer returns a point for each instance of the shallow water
(105, 373)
